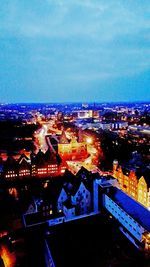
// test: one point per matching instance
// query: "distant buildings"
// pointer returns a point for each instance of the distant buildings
(104, 125)
(145, 130)
(84, 114)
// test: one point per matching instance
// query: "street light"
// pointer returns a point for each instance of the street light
(89, 140)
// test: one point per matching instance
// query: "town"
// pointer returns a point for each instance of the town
(64, 163)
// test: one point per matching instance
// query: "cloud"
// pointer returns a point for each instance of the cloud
(74, 41)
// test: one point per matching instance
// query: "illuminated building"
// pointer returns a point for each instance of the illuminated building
(84, 114)
(142, 191)
(132, 217)
(24, 167)
(136, 186)
(45, 164)
(33, 163)
(119, 125)
(132, 190)
(140, 129)
(10, 171)
(52, 161)
(72, 149)
(39, 165)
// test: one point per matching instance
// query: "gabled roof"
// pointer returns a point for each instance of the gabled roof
(146, 174)
(24, 164)
(40, 158)
(10, 163)
(23, 157)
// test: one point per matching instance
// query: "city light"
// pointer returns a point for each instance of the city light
(89, 140)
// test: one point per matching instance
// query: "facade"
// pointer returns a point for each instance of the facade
(45, 164)
(71, 149)
(62, 198)
(138, 187)
(130, 226)
(132, 218)
(143, 192)
(82, 199)
(38, 165)
(77, 195)
(24, 167)
(69, 209)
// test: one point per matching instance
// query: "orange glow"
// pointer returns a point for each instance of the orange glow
(46, 185)
(89, 140)
(13, 191)
(9, 259)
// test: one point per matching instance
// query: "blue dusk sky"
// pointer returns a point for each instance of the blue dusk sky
(74, 50)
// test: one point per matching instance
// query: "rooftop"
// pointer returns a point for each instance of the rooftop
(132, 207)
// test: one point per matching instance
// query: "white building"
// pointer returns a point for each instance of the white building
(82, 199)
(68, 209)
(62, 198)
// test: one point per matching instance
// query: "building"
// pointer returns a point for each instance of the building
(81, 198)
(69, 209)
(73, 149)
(24, 167)
(77, 191)
(61, 199)
(45, 164)
(135, 184)
(132, 218)
(10, 168)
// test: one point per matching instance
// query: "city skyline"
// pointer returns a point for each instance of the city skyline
(56, 51)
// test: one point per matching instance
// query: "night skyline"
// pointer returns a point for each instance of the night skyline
(56, 51)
